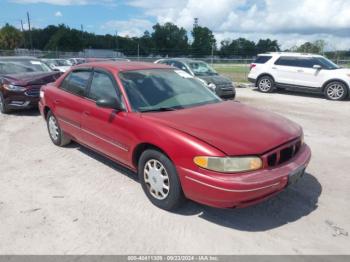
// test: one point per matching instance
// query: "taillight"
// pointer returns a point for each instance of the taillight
(252, 66)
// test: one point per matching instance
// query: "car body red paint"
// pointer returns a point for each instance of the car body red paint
(222, 129)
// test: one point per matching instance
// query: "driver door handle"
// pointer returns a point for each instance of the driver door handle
(57, 101)
(86, 113)
(300, 70)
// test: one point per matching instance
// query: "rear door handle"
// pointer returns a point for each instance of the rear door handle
(300, 71)
(57, 101)
(86, 113)
(274, 67)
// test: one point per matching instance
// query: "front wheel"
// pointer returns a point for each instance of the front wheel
(56, 134)
(3, 107)
(266, 84)
(336, 91)
(159, 180)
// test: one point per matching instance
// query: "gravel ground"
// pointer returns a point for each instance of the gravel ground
(72, 201)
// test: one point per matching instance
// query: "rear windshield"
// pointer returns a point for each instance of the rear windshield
(262, 59)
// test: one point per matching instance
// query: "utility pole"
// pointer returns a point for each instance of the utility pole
(116, 42)
(30, 32)
(138, 52)
(212, 54)
(82, 35)
(24, 37)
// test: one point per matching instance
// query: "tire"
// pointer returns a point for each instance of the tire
(56, 134)
(266, 84)
(159, 180)
(3, 107)
(336, 91)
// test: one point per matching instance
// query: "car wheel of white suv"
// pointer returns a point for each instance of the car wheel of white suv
(266, 84)
(336, 90)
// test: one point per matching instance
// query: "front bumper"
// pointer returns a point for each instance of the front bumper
(240, 190)
(21, 101)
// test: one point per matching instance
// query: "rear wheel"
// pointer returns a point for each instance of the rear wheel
(3, 107)
(336, 90)
(266, 84)
(56, 134)
(159, 180)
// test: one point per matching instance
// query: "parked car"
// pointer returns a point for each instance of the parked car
(119, 59)
(222, 86)
(20, 81)
(61, 65)
(300, 72)
(76, 61)
(183, 140)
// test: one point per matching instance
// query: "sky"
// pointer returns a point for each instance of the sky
(291, 22)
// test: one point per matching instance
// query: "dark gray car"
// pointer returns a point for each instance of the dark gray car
(222, 86)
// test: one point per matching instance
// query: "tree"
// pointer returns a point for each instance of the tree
(10, 37)
(267, 45)
(243, 47)
(203, 41)
(170, 39)
(309, 47)
(65, 39)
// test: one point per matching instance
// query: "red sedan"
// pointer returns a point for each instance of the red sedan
(181, 139)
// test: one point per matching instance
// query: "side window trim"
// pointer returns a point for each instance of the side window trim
(83, 69)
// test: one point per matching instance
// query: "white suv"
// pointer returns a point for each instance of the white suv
(300, 72)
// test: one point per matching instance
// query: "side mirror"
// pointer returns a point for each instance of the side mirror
(110, 103)
(317, 67)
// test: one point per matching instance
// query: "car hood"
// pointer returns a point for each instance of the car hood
(231, 127)
(216, 79)
(37, 78)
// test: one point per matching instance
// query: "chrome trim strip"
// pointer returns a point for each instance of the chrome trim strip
(95, 135)
(105, 140)
(68, 123)
(231, 190)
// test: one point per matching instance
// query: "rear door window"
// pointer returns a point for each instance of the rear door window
(287, 61)
(262, 59)
(77, 82)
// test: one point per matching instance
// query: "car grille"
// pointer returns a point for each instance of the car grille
(33, 91)
(225, 87)
(282, 154)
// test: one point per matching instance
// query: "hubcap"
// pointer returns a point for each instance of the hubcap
(156, 179)
(265, 85)
(53, 128)
(335, 91)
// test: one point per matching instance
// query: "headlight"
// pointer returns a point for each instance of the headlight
(229, 164)
(212, 86)
(14, 88)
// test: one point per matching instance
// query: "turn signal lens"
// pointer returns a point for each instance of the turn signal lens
(229, 164)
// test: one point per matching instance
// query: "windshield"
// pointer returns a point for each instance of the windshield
(164, 89)
(201, 69)
(22, 66)
(326, 63)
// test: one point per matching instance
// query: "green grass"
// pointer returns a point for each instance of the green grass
(236, 72)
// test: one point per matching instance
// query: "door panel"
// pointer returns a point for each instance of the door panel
(69, 101)
(105, 129)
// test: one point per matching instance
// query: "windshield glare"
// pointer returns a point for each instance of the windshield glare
(201, 68)
(22, 66)
(326, 63)
(156, 89)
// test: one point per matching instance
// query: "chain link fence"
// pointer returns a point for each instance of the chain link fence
(236, 69)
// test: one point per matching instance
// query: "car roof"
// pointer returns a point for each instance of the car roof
(184, 60)
(120, 66)
(290, 54)
(18, 58)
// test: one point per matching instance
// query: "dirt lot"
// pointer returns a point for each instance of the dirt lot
(72, 201)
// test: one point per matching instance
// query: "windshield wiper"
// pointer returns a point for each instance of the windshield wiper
(160, 109)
